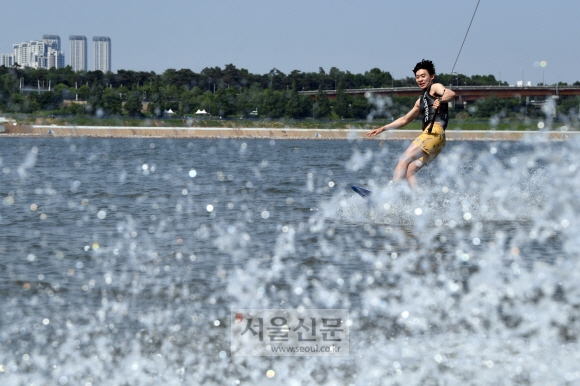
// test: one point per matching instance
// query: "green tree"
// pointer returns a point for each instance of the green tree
(268, 107)
(341, 104)
(244, 105)
(123, 92)
(9, 83)
(76, 109)
(488, 107)
(377, 78)
(50, 100)
(155, 106)
(187, 102)
(228, 101)
(112, 103)
(22, 103)
(334, 76)
(95, 100)
(273, 105)
(293, 107)
(569, 105)
(84, 92)
(133, 106)
(205, 102)
(256, 97)
(360, 107)
(321, 107)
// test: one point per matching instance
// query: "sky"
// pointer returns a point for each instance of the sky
(508, 38)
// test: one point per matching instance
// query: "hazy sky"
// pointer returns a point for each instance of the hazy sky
(506, 38)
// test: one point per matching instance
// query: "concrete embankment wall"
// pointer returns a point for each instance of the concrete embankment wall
(287, 133)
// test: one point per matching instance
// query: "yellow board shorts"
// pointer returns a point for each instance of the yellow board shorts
(432, 144)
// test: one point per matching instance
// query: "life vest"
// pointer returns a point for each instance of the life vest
(441, 116)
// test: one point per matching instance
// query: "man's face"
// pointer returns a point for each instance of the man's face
(423, 78)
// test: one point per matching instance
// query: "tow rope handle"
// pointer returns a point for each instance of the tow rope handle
(436, 112)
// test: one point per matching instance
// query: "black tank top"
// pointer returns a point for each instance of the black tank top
(426, 107)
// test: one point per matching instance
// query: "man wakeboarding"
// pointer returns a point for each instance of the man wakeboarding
(433, 105)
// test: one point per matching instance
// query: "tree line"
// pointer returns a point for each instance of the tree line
(227, 92)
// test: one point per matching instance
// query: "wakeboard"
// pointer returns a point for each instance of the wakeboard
(361, 191)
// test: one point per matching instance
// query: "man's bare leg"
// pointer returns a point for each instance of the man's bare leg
(413, 168)
(406, 168)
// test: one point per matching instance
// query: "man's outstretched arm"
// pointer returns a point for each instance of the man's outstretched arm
(398, 123)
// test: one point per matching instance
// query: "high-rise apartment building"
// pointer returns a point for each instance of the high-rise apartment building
(29, 54)
(21, 54)
(7, 60)
(52, 41)
(36, 54)
(53, 56)
(78, 52)
(55, 59)
(47, 53)
(101, 53)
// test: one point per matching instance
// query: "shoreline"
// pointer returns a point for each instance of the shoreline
(270, 133)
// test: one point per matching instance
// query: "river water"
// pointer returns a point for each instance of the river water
(120, 260)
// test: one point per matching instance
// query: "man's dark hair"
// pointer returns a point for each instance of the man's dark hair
(425, 65)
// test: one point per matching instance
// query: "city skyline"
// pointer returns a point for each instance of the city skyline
(48, 54)
(36, 53)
